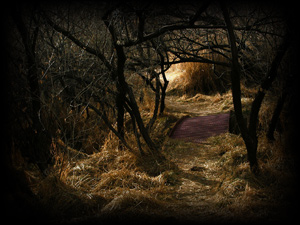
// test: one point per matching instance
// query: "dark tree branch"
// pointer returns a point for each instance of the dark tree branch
(79, 43)
(136, 133)
(195, 58)
(168, 28)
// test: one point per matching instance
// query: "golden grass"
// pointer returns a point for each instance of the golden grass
(103, 182)
(235, 193)
(191, 78)
(194, 78)
(262, 196)
(114, 181)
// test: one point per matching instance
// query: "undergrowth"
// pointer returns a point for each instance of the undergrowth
(114, 181)
(104, 182)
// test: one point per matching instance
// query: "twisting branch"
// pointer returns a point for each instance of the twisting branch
(79, 43)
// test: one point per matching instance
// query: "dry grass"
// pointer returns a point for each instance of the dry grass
(225, 188)
(103, 182)
(118, 182)
(193, 78)
(198, 78)
(233, 193)
(260, 197)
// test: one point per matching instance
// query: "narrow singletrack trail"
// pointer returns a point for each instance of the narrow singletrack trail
(200, 174)
(189, 108)
(215, 183)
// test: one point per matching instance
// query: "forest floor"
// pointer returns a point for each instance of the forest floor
(207, 182)
(216, 184)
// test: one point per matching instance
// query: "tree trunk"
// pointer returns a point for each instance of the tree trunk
(108, 124)
(163, 87)
(266, 84)
(157, 97)
(275, 116)
(125, 89)
(163, 97)
(136, 133)
(120, 113)
(40, 139)
(250, 142)
(121, 87)
(142, 128)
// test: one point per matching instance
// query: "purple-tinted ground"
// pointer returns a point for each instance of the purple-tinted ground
(197, 129)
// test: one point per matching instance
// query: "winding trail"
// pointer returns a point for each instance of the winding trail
(197, 197)
(187, 108)
(215, 184)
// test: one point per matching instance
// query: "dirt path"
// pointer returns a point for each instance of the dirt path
(199, 105)
(215, 182)
(197, 195)
(176, 105)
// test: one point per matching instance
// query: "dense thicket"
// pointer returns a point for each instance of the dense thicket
(77, 71)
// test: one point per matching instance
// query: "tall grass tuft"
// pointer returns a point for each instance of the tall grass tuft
(201, 78)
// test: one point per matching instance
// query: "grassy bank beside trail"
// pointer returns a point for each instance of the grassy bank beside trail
(207, 182)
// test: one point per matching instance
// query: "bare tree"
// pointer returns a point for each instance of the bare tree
(115, 66)
(249, 133)
(28, 26)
